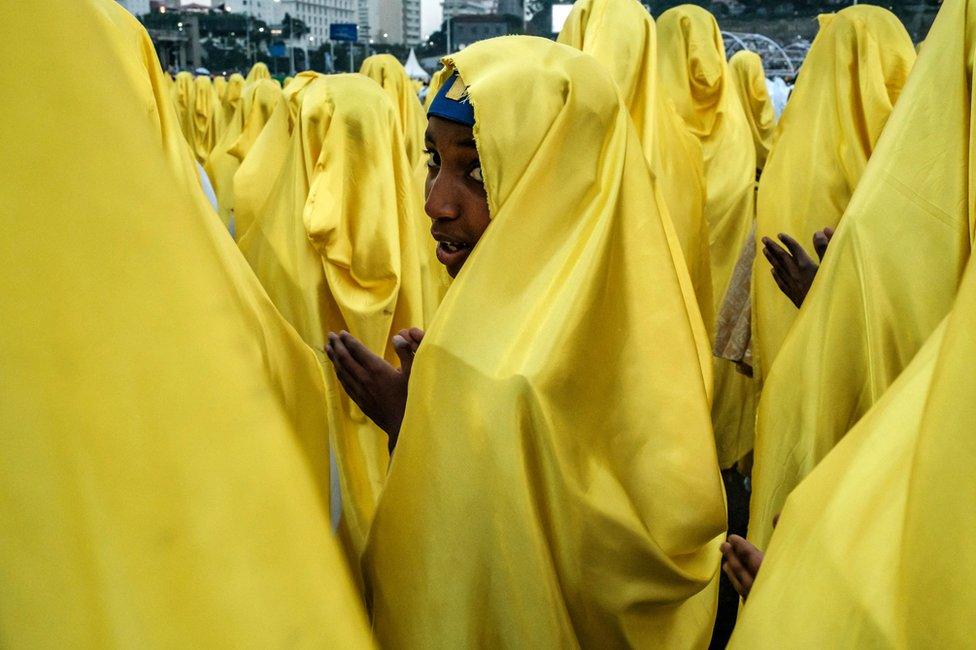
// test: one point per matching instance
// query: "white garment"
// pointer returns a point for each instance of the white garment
(779, 93)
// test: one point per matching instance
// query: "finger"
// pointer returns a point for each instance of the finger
(733, 579)
(820, 242)
(735, 573)
(345, 359)
(749, 556)
(792, 245)
(417, 334)
(829, 232)
(363, 355)
(404, 351)
(797, 253)
(408, 336)
(783, 260)
(742, 574)
(352, 388)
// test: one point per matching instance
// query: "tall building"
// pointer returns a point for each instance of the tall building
(389, 21)
(136, 7)
(454, 8)
(318, 15)
(411, 22)
(267, 10)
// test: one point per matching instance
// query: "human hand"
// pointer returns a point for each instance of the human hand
(741, 562)
(379, 389)
(792, 268)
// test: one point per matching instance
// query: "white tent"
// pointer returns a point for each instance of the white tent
(413, 68)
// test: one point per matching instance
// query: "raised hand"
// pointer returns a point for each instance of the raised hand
(792, 268)
(379, 389)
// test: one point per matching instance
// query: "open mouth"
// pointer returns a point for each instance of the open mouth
(452, 254)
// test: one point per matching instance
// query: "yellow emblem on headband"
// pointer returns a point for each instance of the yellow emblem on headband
(458, 91)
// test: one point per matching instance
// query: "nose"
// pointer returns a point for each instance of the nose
(442, 201)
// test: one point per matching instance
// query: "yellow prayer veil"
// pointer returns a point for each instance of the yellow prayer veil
(620, 35)
(555, 481)
(263, 154)
(183, 100)
(204, 118)
(846, 90)
(749, 81)
(144, 504)
(696, 77)
(258, 71)
(253, 111)
(385, 70)
(888, 279)
(230, 101)
(346, 260)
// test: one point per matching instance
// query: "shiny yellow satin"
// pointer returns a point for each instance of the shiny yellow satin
(145, 504)
(749, 81)
(183, 101)
(830, 579)
(694, 73)
(889, 277)
(258, 71)
(263, 151)
(621, 35)
(204, 118)
(230, 101)
(385, 70)
(846, 90)
(220, 87)
(253, 112)
(335, 250)
(555, 481)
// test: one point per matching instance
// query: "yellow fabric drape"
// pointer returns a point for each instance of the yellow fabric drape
(695, 75)
(848, 85)
(220, 86)
(904, 474)
(183, 100)
(749, 81)
(555, 481)
(144, 503)
(350, 263)
(385, 70)
(830, 578)
(230, 101)
(204, 118)
(287, 81)
(253, 112)
(888, 279)
(257, 72)
(620, 34)
(262, 151)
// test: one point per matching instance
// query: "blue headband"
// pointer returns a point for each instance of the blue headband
(452, 103)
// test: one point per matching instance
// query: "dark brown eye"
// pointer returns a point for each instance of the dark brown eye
(433, 160)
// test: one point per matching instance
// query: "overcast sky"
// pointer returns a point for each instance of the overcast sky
(430, 14)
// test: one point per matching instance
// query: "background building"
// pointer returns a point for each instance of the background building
(266, 10)
(471, 28)
(390, 21)
(454, 8)
(318, 15)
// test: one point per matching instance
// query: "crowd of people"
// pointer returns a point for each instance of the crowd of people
(322, 363)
